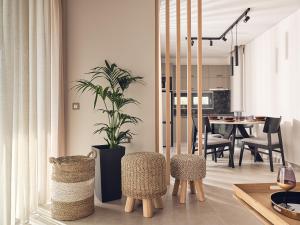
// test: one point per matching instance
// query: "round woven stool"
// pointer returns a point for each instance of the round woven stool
(144, 178)
(188, 168)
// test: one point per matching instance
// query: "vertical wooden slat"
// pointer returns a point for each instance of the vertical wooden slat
(178, 79)
(168, 142)
(189, 80)
(199, 75)
(157, 75)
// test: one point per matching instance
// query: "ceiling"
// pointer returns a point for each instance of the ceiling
(218, 15)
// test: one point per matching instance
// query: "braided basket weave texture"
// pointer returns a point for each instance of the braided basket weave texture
(72, 186)
(144, 175)
(188, 167)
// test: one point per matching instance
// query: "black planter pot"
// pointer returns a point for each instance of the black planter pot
(108, 172)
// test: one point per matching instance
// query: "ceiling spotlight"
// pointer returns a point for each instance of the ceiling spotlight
(192, 42)
(224, 38)
(246, 19)
(211, 43)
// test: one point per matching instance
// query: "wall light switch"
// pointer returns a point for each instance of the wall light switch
(75, 106)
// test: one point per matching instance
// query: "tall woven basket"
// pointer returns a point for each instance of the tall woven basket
(72, 186)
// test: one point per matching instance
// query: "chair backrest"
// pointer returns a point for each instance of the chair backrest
(206, 124)
(272, 125)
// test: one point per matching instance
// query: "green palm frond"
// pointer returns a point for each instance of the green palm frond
(113, 99)
(85, 85)
(121, 102)
(124, 135)
(125, 118)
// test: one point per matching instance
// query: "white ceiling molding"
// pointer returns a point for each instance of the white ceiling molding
(218, 15)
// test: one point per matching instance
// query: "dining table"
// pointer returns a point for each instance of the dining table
(238, 125)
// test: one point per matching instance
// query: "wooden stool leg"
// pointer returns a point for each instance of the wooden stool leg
(147, 208)
(182, 197)
(176, 187)
(158, 204)
(192, 187)
(200, 190)
(129, 204)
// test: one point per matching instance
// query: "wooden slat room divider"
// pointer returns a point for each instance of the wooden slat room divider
(178, 80)
(199, 75)
(189, 80)
(157, 76)
(178, 83)
(168, 103)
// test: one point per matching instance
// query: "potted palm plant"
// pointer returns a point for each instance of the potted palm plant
(111, 92)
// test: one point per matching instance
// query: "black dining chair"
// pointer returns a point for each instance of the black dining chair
(272, 126)
(214, 145)
(195, 136)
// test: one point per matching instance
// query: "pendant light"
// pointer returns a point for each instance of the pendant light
(236, 49)
(231, 56)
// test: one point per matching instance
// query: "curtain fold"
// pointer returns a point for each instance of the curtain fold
(31, 104)
(57, 80)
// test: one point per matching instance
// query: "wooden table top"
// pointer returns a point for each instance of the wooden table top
(237, 122)
(258, 199)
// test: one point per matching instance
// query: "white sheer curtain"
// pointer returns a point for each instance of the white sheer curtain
(31, 104)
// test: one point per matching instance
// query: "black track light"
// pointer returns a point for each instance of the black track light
(243, 17)
(211, 43)
(246, 19)
(192, 42)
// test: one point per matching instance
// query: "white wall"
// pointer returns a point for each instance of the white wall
(122, 32)
(274, 89)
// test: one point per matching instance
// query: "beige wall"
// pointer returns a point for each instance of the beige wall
(122, 32)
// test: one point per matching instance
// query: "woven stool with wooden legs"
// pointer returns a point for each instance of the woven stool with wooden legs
(144, 179)
(188, 168)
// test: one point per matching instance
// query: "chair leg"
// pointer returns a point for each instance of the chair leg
(215, 154)
(129, 204)
(232, 157)
(255, 153)
(222, 153)
(200, 190)
(241, 154)
(176, 187)
(158, 204)
(192, 187)
(147, 208)
(271, 159)
(183, 187)
(205, 152)
(282, 156)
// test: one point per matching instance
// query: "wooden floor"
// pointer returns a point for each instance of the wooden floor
(220, 207)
